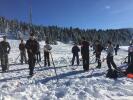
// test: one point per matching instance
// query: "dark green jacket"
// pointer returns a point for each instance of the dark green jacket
(4, 47)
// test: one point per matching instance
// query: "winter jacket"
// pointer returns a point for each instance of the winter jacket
(47, 48)
(98, 49)
(22, 47)
(75, 50)
(110, 51)
(4, 47)
(85, 48)
(117, 46)
(130, 49)
(31, 45)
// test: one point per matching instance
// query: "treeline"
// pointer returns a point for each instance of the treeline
(55, 33)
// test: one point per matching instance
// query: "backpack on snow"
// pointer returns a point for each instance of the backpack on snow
(129, 69)
(115, 73)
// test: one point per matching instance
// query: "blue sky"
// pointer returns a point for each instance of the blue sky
(99, 14)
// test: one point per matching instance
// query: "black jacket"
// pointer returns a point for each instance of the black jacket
(22, 46)
(31, 45)
(98, 49)
(85, 48)
(75, 50)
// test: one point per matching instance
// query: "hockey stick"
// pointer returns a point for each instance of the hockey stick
(16, 59)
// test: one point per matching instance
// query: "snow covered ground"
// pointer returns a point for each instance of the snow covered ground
(72, 85)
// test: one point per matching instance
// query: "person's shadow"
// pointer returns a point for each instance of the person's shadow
(46, 79)
(59, 76)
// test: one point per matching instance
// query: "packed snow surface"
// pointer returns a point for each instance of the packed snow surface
(72, 84)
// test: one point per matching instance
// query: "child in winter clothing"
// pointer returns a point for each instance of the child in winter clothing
(98, 50)
(75, 50)
(110, 51)
(47, 49)
(22, 49)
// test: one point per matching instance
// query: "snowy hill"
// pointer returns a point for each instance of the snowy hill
(15, 36)
(72, 85)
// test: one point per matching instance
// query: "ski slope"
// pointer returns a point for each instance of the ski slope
(72, 85)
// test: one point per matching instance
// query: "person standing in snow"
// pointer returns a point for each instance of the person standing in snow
(130, 53)
(5, 50)
(129, 70)
(98, 50)
(38, 52)
(47, 49)
(31, 46)
(110, 60)
(22, 52)
(75, 51)
(85, 53)
(116, 49)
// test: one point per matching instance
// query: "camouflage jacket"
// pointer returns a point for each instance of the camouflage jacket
(4, 47)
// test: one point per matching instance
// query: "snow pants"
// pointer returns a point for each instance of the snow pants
(23, 57)
(46, 59)
(98, 60)
(85, 62)
(31, 62)
(110, 62)
(4, 62)
(38, 56)
(77, 58)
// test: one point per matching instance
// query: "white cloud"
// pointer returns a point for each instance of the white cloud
(107, 7)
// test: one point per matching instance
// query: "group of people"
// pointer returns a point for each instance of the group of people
(33, 50)
(110, 49)
(97, 51)
(84, 53)
(22, 48)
